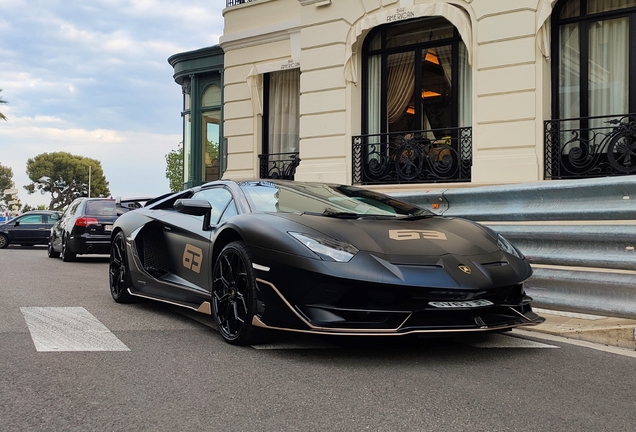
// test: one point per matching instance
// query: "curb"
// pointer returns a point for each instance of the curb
(618, 332)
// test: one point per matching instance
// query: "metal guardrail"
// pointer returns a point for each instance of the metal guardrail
(579, 236)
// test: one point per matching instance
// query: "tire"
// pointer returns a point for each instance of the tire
(4, 241)
(118, 270)
(235, 297)
(51, 252)
(67, 255)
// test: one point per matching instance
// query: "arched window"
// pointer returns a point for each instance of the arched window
(593, 88)
(425, 54)
(417, 93)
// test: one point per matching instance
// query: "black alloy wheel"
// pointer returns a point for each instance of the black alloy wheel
(235, 296)
(4, 241)
(51, 252)
(67, 255)
(118, 271)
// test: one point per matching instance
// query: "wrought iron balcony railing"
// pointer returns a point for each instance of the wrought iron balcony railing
(588, 147)
(279, 165)
(431, 156)
(229, 3)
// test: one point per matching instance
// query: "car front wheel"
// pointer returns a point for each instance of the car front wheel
(4, 241)
(118, 270)
(51, 252)
(235, 296)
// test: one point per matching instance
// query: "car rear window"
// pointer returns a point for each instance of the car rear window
(104, 208)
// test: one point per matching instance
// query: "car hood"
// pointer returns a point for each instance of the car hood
(432, 236)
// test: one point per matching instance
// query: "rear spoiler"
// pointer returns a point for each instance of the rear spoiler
(131, 203)
(135, 203)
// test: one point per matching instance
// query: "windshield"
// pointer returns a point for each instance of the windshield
(104, 208)
(325, 199)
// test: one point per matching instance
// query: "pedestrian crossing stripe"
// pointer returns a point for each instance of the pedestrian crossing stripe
(56, 329)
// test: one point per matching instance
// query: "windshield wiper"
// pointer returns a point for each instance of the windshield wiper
(338, 214)
(418, 216)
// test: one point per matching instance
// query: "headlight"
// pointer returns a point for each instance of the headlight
(506, 246)
(327, 248)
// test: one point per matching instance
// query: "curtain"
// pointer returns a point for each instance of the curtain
(465, 88)
(569, 83)
(608, 68)
(570, 72)
(400, 84)
(373, 95)
(284, 111)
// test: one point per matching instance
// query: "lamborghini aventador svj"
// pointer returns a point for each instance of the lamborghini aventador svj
(318, 258)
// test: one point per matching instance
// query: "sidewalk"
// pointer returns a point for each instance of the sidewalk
(618, 332)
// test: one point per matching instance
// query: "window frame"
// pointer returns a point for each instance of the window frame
(417, 48)
(584, 20)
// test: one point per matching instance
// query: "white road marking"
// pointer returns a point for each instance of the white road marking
(599, 347)
(502, 341)
(69, 329)
(475, 341)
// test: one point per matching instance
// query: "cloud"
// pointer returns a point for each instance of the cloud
(92, 78)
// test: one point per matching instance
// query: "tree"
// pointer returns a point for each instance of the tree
(65, 177)
(2, 101)
(6, 182)
(174, 169)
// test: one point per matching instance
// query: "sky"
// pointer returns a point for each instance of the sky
(91, 77)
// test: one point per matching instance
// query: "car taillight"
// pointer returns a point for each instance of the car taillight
(85, 221)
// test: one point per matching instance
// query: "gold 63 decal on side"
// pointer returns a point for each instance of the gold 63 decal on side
(192, 256)
(416, 235)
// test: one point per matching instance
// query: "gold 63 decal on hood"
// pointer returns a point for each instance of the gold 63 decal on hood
(416, 235)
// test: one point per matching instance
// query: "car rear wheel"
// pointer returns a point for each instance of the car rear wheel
(235, 296)
(118, 271)
(51, 252)
(4, 241)
(67, 255)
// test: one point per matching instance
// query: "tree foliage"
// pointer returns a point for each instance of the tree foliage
(2, 101)
(65, 177)
(174, 169)
(6, 181)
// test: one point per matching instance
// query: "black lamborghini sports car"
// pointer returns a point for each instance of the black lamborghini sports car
(317, 258)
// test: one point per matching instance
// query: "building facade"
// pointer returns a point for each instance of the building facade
(401, 93)
(200, 75)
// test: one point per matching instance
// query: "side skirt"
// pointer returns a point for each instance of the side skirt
(204, 307)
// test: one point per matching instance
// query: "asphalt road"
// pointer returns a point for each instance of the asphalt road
(171, 371)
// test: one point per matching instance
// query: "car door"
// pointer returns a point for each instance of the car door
(29, 228)
(66, 220)
(50, 220)
(189, 244)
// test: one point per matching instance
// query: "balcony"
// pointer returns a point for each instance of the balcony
(230, 3)
(278, 165)
(589, 147)
(430, 156)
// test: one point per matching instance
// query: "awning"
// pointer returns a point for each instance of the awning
(543, 26)
(255, 79)
(458, 17)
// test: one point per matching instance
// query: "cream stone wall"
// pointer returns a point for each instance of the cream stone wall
(510, 76)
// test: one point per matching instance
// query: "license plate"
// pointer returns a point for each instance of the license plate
(108, 228)
(462, 304)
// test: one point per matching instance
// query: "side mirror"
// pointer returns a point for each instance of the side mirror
(195, 207)
(16, 223)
